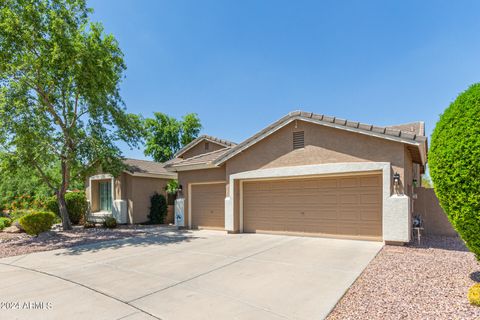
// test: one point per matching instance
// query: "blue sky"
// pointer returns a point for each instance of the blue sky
(243, 64)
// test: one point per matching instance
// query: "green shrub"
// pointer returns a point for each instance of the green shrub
(455, 167)
(15, 215)
(474, 295)
(158, 209)
(110, 222)
(5, 223)
(77, 206)
(37, 222)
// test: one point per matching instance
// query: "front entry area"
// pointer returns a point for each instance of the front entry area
(207, 206)
(343, 206)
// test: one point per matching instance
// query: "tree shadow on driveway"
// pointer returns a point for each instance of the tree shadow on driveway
(157, 237)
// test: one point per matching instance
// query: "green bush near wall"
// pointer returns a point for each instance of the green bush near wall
(158, 209)
(5, 223)
(454, 161)
(77, 206)
(37, 222)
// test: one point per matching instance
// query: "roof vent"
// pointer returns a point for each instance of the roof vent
(298, 139)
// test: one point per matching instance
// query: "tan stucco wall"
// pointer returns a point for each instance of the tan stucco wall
(435, 220)
(322, 145)
(136, 191)
(142, 188)
(200, 149)
(207, 175)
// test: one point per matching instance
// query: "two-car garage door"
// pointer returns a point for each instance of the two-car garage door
(348, 206)
(342, 206)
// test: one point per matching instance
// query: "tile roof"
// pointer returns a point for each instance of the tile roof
(199, 159)
(392, 133)
(415, 127)
(145, 166)
(413, 133)
(222, 142)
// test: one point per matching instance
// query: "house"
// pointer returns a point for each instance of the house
(127, 197)
(305, 174)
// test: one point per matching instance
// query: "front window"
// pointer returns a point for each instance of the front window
(105, 196)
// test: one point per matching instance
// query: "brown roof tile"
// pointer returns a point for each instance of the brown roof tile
(199, 159)
(222, 142)
(145, 166)
(403, 131)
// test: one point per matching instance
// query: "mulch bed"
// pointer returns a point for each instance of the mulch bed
(13, 244)
(427, 281)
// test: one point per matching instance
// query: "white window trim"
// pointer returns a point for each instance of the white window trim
(104, 176)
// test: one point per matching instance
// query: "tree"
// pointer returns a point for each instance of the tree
(455, 167)
(166, 135)
(60, 103)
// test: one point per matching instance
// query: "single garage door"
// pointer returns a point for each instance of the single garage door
(208, 206)
(346, 206)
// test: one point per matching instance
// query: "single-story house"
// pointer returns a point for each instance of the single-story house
(305, 174)
(127, 197)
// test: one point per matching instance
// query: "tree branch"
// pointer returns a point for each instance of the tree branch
(43, 175)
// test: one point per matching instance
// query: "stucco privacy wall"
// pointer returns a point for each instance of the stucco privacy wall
(198, 176)
(323, 145)
(435, 219)
(200, 149)
(396, 216)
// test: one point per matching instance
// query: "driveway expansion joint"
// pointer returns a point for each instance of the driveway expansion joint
(84, 286)
(213, 270)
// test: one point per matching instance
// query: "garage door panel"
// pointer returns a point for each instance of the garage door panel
(346, 206)
(208, 208)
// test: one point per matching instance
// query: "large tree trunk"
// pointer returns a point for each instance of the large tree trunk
(62, 204)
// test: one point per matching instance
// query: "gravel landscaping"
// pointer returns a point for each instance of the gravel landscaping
(430, 281)
(13, 244)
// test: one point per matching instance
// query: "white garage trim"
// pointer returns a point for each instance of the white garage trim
(190, 198)
(395, 208)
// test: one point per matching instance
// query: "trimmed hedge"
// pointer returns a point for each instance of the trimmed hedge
(110, 222)
(5, 223)
(77, 206)
(158, 209)
(454, 161)
(37, 222)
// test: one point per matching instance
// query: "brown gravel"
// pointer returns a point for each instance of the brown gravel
(430, 281)
(13, 244)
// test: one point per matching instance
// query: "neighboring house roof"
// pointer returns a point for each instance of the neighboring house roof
(389, 133)
(138, 167)
(197, 162)
(415, 127)
(201, 138)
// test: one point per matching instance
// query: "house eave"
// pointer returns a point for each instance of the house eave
(171, 175)
(190, 167)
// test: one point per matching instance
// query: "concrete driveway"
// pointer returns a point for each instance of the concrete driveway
(185, 275)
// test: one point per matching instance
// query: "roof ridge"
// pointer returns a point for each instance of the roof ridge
(206, 153)
(142, 160)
